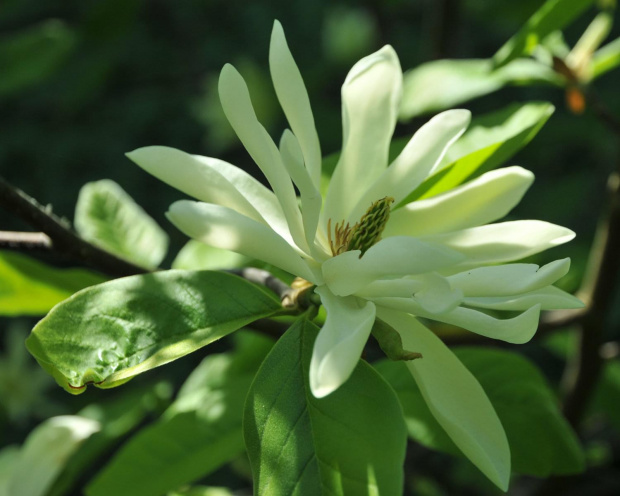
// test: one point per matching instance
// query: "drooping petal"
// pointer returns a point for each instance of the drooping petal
(293, 98)
(213, 181)
(395, 256)
(550, 298)
(235, 99)
(370, 100)
(455, 398)
(483, 200)
(417, 160)
(518, 330)
(507, 280)
(503, 242)
(224, 228)
(340, 343)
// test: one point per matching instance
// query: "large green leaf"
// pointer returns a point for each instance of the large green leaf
(200, 431)
(541, 441)
(108, 217)
(489, 142)
(350, 442)
(444, 84)
(31, 56)
(30, 287)
(553, 15)
(109, 333)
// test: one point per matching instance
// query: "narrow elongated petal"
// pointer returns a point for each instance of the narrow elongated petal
(506, 280)
(213, 181)
(224, 228)
(295, 102)
(370, 100)
(237, 106)
(483, 200)
(418, 159)
(550, 298)
(396, 256)
(503, 242)
(340, 343)
(455, 398)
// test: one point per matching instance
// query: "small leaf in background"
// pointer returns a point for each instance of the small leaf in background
(31, 56)
(541, 440)
(607, 396)
(109, 333)
(553, 15)
(605, 59)
(350, 442)
(45, 453)
(198, 256)
(30, 287)
(107, 216)
(200, 431)
(8, 457)
(490, 141)
(203, 491)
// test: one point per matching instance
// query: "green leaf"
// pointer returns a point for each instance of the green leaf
(199, 433)
(108, 217)
(605, 59)
(541, 441)
(350, 442)
(198, 256)
(489, 141)
(553, 15)
(30, 287)
(31, 56)
(607, 396)
(109, 333)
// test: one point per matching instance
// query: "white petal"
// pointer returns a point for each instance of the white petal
(237, 106)
(370, 99)
(340, 342)
(396, 256)
(507, 280)
(455, 398)
(550, 298)
(224, 228)
(399, 288)
(436, 295)
(295, 102)
(483, 200)
(503, 242)
(417, 160)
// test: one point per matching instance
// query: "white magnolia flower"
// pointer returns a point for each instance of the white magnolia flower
(436, 258)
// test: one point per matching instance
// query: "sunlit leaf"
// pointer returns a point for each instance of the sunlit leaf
(605, 59)
(30, 287)
(109, 333)
(350, 442)
(198, 256)
(108, 217)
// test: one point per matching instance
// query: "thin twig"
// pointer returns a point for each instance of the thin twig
(14, 240)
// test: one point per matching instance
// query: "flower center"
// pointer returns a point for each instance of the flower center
(364, 233)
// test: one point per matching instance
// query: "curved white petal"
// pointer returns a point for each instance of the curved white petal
(518, 330)
(550, 298)
(213, 181)
(507, 280)
(417, 160)
(370, 99)
(235, 99)
(483, 200)
(436, 295)
(396, 256)
(293, 98)
(455, 398)
(399, 288)
(224, 228)
(340, 342)
(503, 242)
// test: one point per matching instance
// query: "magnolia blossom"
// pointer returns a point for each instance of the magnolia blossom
(371, 257)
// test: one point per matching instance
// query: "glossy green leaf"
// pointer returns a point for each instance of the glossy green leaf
(444, 84)
(350, 442)
(605, 59)
(30, 287)
(541, 441)
(31, 56)
(553, 15)
(200, 431)
(108, 217)
(109, 333)
(490, 141)
(198, 256)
